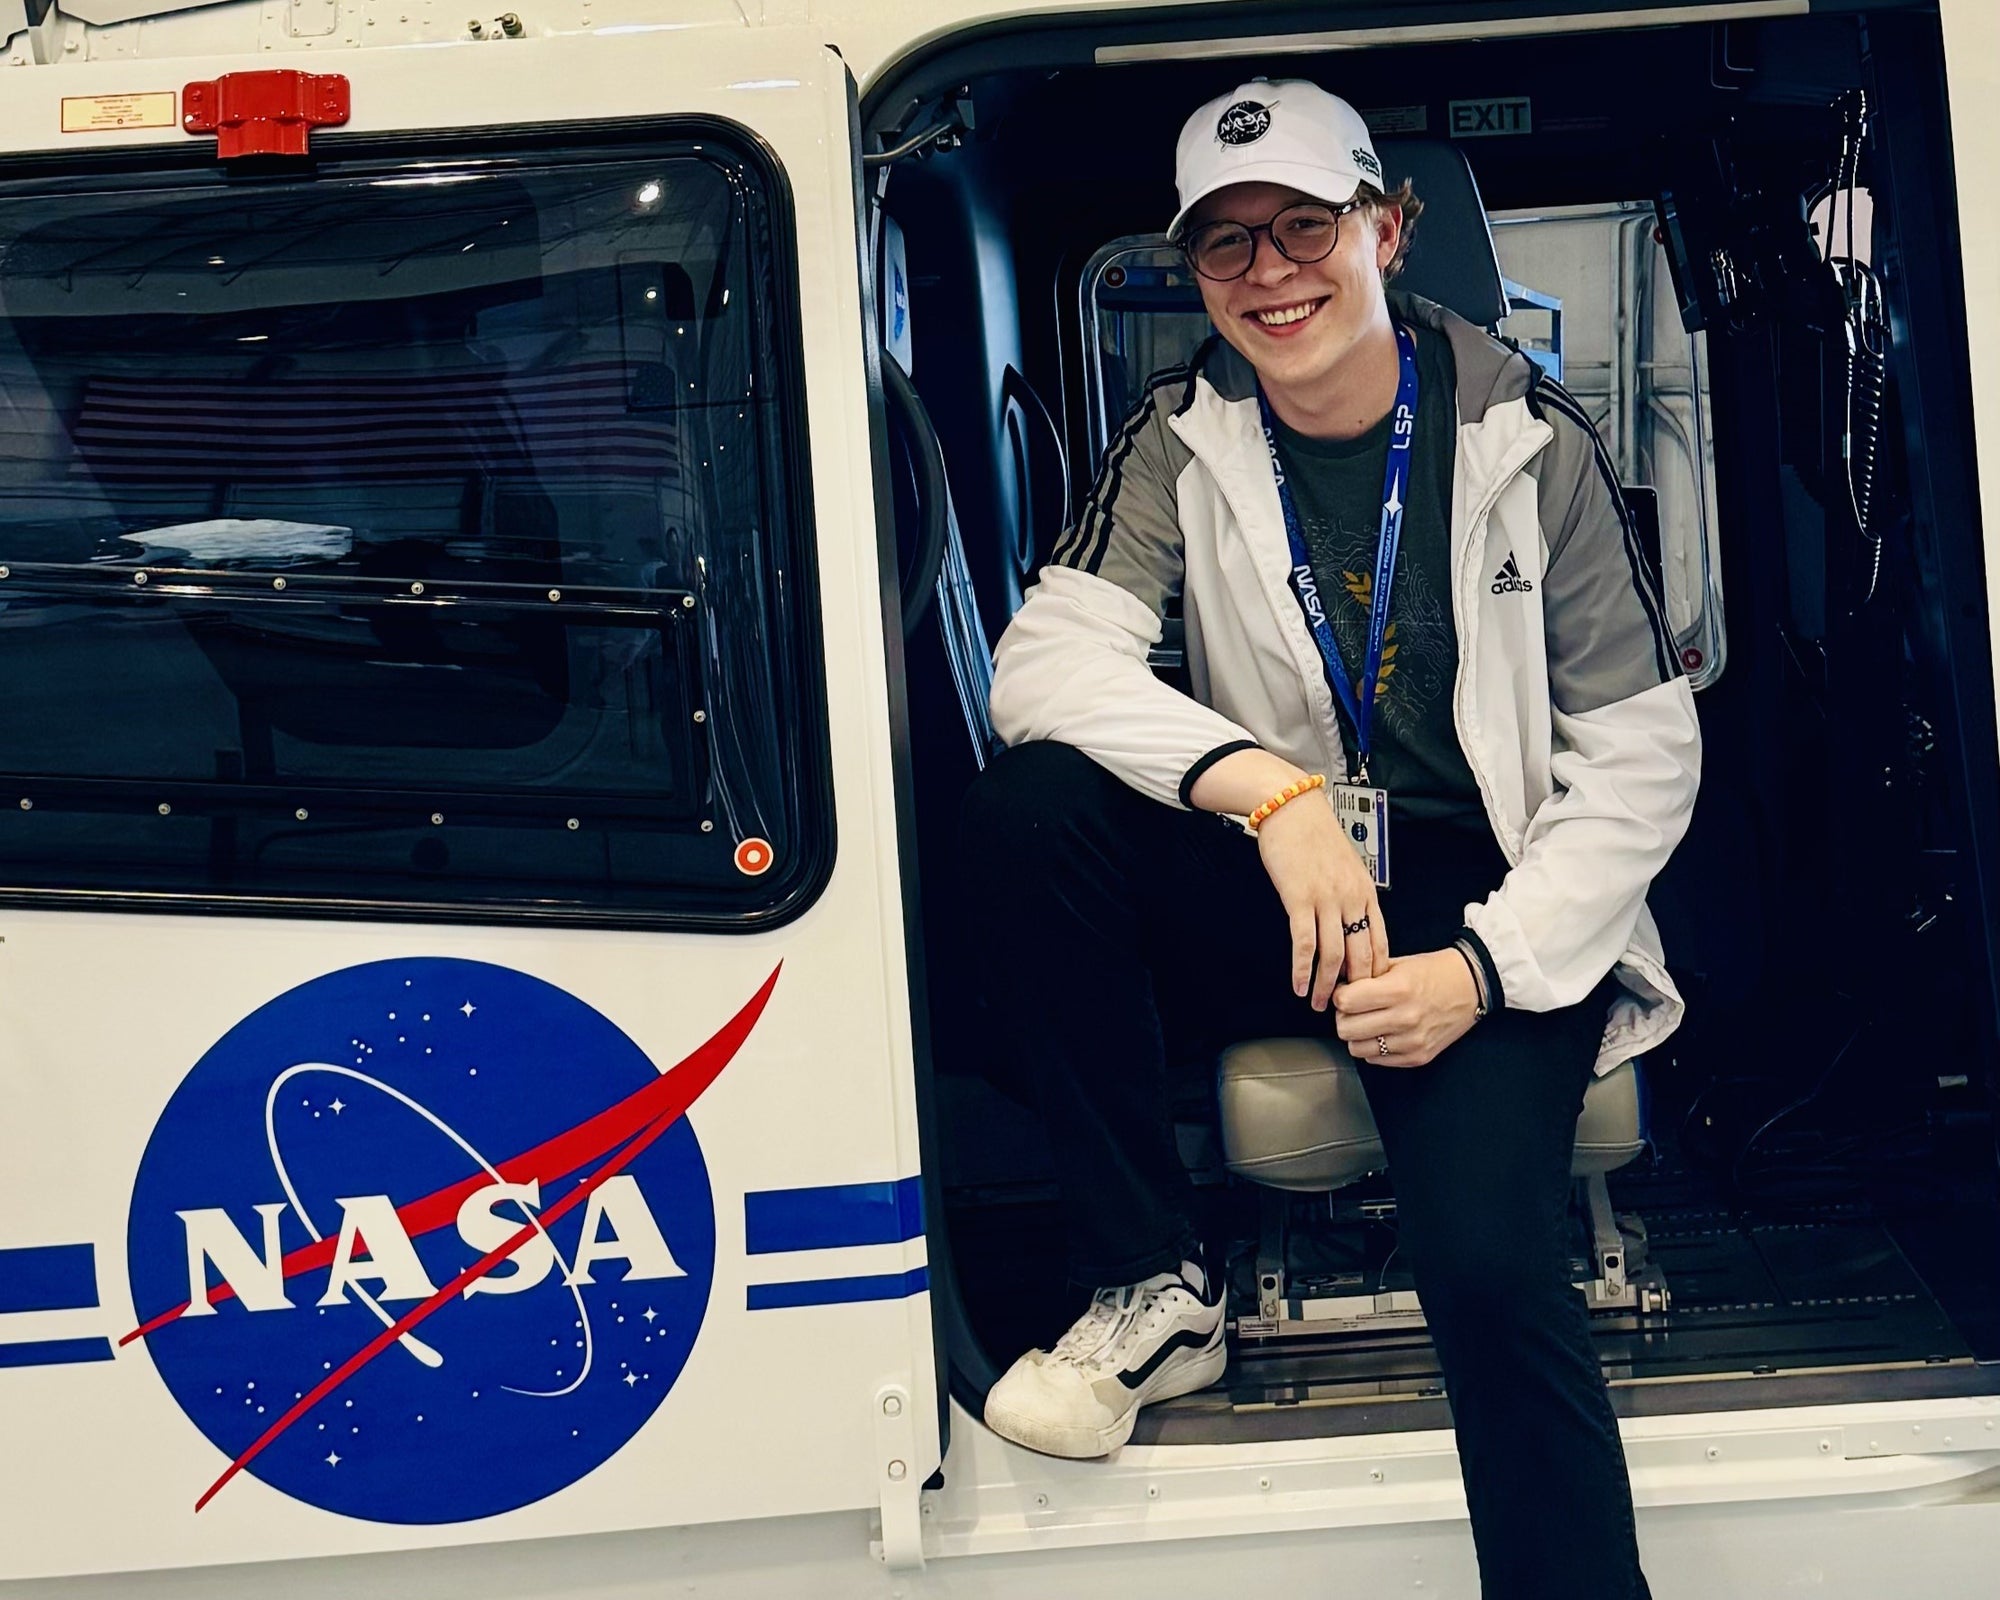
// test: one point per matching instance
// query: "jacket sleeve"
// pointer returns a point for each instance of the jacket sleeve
(1626, 745)
(1072, 664)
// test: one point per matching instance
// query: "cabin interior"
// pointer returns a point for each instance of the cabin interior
(1735, 243)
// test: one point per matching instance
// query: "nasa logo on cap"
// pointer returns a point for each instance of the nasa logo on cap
(425, 1240)
(1244, 123)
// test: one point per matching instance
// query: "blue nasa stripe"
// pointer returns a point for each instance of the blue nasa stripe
(832, 1218)
(54, 1352)
(839, 1291)
(50, 1277)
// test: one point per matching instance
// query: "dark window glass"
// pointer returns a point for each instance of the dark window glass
(422, 538)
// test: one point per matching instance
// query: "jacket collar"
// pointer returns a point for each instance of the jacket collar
(1217, 417)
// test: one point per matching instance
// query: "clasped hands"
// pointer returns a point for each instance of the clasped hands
(1400, 1012)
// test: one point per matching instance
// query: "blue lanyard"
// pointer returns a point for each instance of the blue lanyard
(1305, 587)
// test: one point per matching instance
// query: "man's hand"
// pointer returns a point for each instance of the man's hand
(1325, 887)
(1419, 1006)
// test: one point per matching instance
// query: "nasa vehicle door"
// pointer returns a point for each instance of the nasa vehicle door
(454, 1028)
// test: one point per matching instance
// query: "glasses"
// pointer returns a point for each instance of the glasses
(1304, 233)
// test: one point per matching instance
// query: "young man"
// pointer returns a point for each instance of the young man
(1409, 586)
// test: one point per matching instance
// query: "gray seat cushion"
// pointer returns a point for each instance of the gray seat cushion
(1294, 1116)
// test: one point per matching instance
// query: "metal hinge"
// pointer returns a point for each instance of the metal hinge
(902, 1546)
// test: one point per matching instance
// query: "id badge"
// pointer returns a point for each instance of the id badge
(1364, 816)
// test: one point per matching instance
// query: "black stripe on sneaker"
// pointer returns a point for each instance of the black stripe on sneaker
(1186, 1339)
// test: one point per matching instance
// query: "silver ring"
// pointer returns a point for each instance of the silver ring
(1352, 928)
(1381, 1044)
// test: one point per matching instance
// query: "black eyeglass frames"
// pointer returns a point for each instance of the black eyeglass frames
(1304, 232)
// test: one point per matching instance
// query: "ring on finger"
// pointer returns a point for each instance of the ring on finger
(1381, 1044)
(1352, 928)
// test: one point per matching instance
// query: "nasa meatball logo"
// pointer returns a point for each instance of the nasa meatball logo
(426, 1240)
(1244, 123)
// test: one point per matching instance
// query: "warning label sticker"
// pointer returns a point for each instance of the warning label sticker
(108, 113)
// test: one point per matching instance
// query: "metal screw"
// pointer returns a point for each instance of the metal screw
(1825, 1446)
(707, 827)
(416, 588)
(437, 819)
(1374, 1474)
(165, 809)
(898, 1472)
(138, 577)
(1264, 1483)
(892, 1406)
(555, 594)
(1152, 1491)
(476, 28)
(1714, 1453)
(574, 824)
(277, 583)
(1042, 1500)
(300, 814)
(27, 805)
(701, 716)
(6, 572)
(687, 602)
(510, 25)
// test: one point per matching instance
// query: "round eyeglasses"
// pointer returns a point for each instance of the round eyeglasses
(1303, 233)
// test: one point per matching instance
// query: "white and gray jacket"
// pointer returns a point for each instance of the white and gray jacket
(1569, 702)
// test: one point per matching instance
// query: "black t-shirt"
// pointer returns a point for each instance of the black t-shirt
(1337, 484)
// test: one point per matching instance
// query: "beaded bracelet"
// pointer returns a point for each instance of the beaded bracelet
(1290, 792)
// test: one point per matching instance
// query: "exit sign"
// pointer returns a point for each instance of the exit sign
(1482, 119)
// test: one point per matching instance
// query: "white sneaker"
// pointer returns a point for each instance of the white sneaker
(1148, 1341)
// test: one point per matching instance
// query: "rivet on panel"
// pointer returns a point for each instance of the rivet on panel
(437, 819)
(898, 1472)
(165, 809)
(301, 814)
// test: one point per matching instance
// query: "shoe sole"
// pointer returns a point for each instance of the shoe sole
(1086, 1444)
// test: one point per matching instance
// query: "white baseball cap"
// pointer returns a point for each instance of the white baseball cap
(1274, 130)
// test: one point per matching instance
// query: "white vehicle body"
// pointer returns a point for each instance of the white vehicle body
(792, 1454)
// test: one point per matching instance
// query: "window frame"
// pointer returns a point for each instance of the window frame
(792, 888)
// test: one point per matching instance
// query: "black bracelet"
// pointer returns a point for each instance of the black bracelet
(1482, 1002)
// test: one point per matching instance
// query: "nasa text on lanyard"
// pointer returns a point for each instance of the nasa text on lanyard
(1363, 809)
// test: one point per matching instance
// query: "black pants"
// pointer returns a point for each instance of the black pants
(1136, 918)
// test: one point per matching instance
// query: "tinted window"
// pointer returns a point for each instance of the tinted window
(407, 536)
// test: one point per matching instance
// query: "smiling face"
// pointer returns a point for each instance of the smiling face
(1298, 323)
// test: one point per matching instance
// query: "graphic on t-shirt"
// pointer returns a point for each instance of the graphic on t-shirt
(1417, 650)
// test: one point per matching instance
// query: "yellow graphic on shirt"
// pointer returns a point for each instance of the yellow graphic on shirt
(1360, 587)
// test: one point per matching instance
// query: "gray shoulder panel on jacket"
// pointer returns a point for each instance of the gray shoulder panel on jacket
(1128, 531)
(1605, 618)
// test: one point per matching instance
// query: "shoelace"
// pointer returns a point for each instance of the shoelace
(1112, 1315)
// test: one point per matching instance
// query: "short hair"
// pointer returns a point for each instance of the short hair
(1403, 197)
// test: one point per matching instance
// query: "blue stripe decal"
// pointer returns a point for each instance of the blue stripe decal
(834, 1217)
(54, 1352)
(52, 1277)
(839, 1291)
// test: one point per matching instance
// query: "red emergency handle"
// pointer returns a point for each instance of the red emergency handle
(264, 113)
